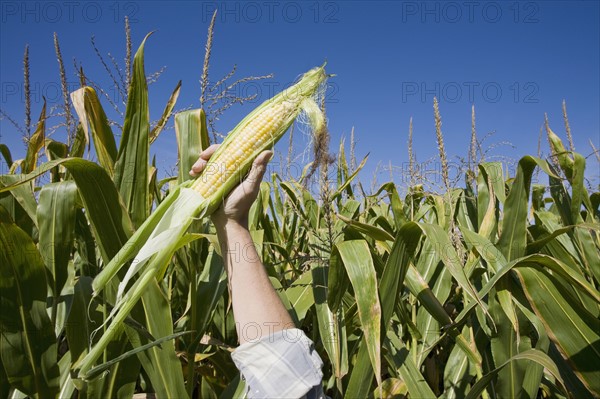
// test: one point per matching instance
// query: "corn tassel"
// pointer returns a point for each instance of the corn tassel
(155, 242)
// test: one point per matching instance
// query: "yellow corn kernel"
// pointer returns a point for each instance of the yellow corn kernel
(250, 138)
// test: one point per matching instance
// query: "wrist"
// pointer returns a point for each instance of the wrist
(227, 224)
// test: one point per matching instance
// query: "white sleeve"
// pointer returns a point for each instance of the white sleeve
(281, 365)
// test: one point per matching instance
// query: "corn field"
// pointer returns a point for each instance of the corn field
(488, 289)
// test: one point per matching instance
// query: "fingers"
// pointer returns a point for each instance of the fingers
(203, 159)
(259, 166)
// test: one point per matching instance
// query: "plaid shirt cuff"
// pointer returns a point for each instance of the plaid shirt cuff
(281, 365)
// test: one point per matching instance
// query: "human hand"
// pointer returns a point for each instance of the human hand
(236, 205)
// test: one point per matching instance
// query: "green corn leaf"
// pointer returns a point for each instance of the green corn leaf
(433, 272)
(85, 258)
(496, 260)
(90, 111)
(368, 229)
(259, 209)
(81, 322)
(118, 315)
(276, 204)
(531, 355)
(127, 251)
(578, 250)
(537, 197)
(98, 370)
(162, 122)
(488, 217)
(578, 190)
(575, 331)
(337, 282)
(56, 150)
(398, 357)
(235, 389)
(459, 371)
(595, 204)
(395, 202)
(294, 198)
(391, 388)
(342, 168)
(513, 241)
(79, 142)
(211, 284)
(109, 220)
(450, 258)
(331, 330)
(84, 318)
(355, 255)
(154, 256)
(485, 198)
(441, 211)
(562, 200)
(494, 175)
(589, 249)
(536, 246)
(349, 180)
(36, 143)
(192, 138)
(484, 248)
(392, 279)
(159, 361)
(131, 167)
(22, 193)
(463, 217)
(417, 286)
(300, 294)
(5, 151)
(67, 388)
(56, 218)
(537, 262)
(434, 310)
(27, 344)
(105, 209)
(110, 224)
(561, 153)
(16, 164)
(506, 342)
(361, 376)
(311, 208)
(572, 382)
(533, 376)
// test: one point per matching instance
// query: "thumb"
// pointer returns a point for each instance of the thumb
(259, 167)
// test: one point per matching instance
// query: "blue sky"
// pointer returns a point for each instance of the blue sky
(513, 60)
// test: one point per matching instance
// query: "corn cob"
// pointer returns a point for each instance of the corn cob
(249, 140)
(258, 131)
(160, 235)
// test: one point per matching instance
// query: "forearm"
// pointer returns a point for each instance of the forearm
(257, 309)
(282, 365)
